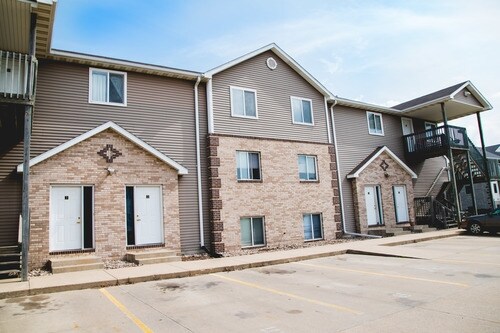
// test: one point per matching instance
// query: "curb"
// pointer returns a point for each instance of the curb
(114, 281)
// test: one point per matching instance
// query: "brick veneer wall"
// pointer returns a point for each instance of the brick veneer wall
(375, 175)
(280, 197)
(81, 165)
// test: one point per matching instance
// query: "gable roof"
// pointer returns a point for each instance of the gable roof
(493, 152)
(109, 125)
(446, 92)
(442, 96)
(283, 56)
(376, 153)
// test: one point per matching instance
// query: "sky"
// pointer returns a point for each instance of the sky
(380, 52)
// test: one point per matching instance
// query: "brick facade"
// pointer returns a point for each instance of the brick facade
(82, 165)
(373, 174)
(280, 197)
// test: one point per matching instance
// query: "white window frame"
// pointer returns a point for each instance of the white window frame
(251, 234)
(260, 165)
(307, 171)
(312, 112)
(107, 71)
(368, 113)
(231, 88)
(312, 227)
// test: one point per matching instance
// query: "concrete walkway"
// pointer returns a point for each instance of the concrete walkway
(113, 277)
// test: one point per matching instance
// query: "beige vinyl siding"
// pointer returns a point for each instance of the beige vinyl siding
(159, 110)
(274, 89)
(10, 194)
(354, 144)
(427, 171)
(467, 99)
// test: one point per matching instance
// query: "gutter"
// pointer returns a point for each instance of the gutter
(198, 163)
(342, 215)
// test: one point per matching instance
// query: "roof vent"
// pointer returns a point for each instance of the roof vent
(271, 63)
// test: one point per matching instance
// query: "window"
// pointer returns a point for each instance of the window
(307, 167)
(302, 112)
(243, 102)
(495, 188)
(375, 124)
(312, 226)
(252, 231)
(248, 165)
(107, 87)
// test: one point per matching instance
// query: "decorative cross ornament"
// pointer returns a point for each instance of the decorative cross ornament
(109, 153)
(384, 165)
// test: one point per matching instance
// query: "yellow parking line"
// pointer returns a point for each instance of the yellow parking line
(466, 262)
(384, 275)
(126, 311)
(282, 293)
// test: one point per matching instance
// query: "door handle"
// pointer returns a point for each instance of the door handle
(78, 220)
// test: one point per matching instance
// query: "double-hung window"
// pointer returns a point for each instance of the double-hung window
(252, 231)
(107, 87)
(312, 226)
(248, 165)
(243, 102)
(302, 112)
(307, 168)
(375, 124)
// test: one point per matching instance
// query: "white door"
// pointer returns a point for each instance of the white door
(65, 218)
(148, 215)
(400, 203)
(372, 205)
(407, 125)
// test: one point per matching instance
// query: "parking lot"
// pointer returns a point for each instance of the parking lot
(457, 292)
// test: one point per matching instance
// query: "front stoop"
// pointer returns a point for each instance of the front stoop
(388, 231)
(75, 264)
(152, 257)
(417, 229)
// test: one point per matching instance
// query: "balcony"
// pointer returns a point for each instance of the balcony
(434, 142)
(17, 77)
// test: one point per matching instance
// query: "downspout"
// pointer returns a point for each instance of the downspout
(339, 181)
(198, 161)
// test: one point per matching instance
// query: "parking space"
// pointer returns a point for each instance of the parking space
(458, 292)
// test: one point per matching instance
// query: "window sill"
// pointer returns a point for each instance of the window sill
(377, 134)
(252, 247)
(309, 181)
(376, 226)
(303, 124)
(108, 103)
(313, 240)
(244, 117)
(249, 180)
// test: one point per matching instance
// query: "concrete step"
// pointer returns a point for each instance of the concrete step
(77, 268)
(159, 260)
(152, 257)
(75, 264)
(422, 228)
(396, 232)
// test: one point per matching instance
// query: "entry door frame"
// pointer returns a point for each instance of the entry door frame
(377, 195)
(407, 214)
(403, 119)
(411, 141)
(162, 217)
(82, 208)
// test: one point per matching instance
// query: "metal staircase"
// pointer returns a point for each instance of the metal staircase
(10, 262)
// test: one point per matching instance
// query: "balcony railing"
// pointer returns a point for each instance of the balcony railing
(17, 76)
(434, 142)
